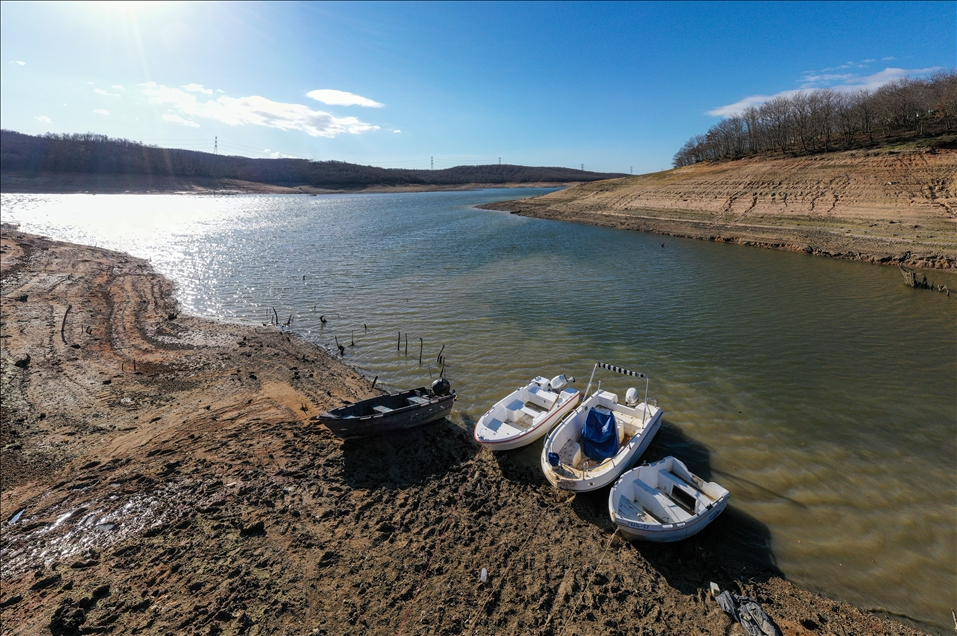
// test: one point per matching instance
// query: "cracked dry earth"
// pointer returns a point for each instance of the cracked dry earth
(878, 206)
(160, 475)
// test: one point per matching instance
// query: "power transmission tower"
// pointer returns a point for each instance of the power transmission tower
(583, 167)
(216, 145)
(431, 163)
(630, 170)
(499, 161)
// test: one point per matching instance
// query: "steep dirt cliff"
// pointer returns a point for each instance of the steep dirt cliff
(887, 206)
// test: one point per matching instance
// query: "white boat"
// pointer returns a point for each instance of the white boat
(663, 501)
(573, 460)
(526, 414)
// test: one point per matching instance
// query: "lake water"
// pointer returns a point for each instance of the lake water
(822, 393)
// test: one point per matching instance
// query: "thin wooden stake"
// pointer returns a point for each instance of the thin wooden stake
(406, 344)
(398, 343)
(438, 358)
(63, 326)
(420, 351)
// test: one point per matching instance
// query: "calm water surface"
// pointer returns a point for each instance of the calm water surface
(821, 393)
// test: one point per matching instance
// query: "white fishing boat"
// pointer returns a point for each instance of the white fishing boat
(526, 414)
(664, 501)
(601, 438)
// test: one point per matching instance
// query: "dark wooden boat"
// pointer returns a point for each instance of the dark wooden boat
(390, 412)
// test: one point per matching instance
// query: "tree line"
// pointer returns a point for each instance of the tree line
(98, 154)
(825, 120)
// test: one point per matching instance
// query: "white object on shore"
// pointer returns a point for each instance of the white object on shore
(664, 501)
(484, 575)
(524, 415)
(564, 462)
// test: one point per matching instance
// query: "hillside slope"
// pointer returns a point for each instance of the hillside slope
(888, 206)
(96, 163)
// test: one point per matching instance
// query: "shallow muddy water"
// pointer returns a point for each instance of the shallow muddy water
(821, 393)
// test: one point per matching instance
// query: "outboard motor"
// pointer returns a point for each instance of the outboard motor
(631, 397)
(441, 387)
(559, 382)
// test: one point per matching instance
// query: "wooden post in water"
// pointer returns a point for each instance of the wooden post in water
(398, 343)
(406, 344)
(438, 358)
(420, 351)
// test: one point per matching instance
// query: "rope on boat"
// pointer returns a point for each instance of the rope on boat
(621, 370)
(591, 577)
(435, 551)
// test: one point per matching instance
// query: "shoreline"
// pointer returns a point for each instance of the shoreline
(890, 207)
(12, 182)
(167, 466)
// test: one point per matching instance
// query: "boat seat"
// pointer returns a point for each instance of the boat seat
(661, 505)
(532, 413)
(416, 400)
(381, 409)
(542, 397)
(571, 454)
(689, 492)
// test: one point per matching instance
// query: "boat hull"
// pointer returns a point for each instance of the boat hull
(642, 510)
(503, 428)
(396, 411)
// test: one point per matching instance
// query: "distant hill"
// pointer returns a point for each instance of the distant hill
(91, 154)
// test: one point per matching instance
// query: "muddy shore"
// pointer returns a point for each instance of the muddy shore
(160, 475)
(879, 206)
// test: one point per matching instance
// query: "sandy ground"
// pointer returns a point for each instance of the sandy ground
(72, 183)
(881, 206)
(160, 475)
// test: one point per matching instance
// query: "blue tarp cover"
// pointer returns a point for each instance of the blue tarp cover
(600, 435)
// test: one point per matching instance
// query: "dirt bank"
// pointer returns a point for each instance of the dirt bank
(74, 183)
(882, 206)
(160, 475)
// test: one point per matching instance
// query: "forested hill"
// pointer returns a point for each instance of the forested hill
(822, 121)
(101, 155)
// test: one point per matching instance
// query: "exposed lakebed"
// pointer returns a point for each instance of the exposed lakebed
(819, 392)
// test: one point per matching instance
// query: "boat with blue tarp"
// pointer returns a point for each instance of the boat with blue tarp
(601, 438)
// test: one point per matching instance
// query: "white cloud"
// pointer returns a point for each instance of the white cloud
(176, 119)
(342, 98)
(840, 82)
(254, 110)
(275, 154)
(100, 91)
(396, 131)
(18, 63)
(198, 88)
(44, 119)
(101, 111)
(117, 87)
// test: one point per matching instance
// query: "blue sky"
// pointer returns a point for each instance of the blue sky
(615, 86)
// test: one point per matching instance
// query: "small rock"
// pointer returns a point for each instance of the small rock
(256, 529)
(67, 619)
(12, 600)
(23, 363)
(46, 582)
